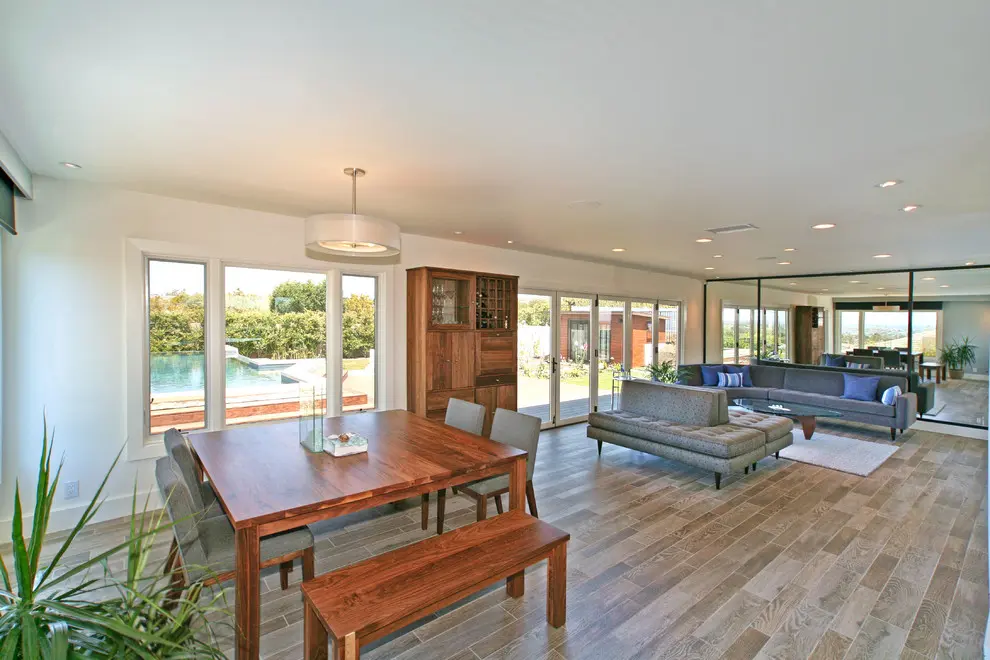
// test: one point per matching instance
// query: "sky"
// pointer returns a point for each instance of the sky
(168, 276)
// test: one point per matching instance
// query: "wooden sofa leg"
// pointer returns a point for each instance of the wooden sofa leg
(893, 434)
(754, 467)
(746, 470)
(777, 455)
(315, 639)
(718, 480)
(599, 447)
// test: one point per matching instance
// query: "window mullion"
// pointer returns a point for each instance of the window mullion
(216, 356)
(335, 365)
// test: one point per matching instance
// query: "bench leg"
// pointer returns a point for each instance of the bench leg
(557, 586)
(425, 510)
(314, 635)
(347, 648)
(482, 503)
(308, 564)
(515, 585)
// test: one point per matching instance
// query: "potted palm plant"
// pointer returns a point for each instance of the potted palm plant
(957, 355)
(58, 609)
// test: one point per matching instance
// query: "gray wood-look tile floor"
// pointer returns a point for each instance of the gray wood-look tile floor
(794, 561)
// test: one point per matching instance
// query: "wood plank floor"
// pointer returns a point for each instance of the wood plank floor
(794, 561)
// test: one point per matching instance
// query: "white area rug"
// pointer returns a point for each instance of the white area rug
(838, 453)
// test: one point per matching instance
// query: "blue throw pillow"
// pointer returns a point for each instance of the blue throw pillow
(835, 360)
(747, 381)
(710, 374)
(860, 388)
(889, 396)
(730, 380)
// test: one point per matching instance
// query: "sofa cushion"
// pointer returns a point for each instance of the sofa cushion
(709, 375)
(730, 380)
(734, 393)
(723, 441)
(816, 381)
(772, 426)
(699, 406)
(766, 376)
(834, 360)
(833, 402)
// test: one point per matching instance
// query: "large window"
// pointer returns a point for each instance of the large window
(276, 330)
(850, 331)
(176, 341)
(668, 333)
(359, 341)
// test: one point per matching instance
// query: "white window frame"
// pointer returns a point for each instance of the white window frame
(141, 444)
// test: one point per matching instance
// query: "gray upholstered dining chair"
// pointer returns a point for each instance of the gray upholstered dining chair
(465, 416)
(520, 431)
(203, 547)
(203, 497)
(891, 359)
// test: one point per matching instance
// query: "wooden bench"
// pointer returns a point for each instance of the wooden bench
(363, 602)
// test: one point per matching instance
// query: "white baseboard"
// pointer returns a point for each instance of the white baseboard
(112, 507)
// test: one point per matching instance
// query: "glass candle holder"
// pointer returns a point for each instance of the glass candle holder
(312, 410)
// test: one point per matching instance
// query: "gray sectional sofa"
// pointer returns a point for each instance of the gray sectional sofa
(692, 425)
(821, 386)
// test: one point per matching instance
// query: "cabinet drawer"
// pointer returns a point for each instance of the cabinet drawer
(438, 400)
(496, 354)
(485, 381)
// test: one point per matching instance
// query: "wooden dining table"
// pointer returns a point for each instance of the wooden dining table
(268, 483)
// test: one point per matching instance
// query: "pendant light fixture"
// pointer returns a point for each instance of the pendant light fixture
(350, 234)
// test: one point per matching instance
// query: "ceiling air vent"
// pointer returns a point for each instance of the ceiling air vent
(734, 229)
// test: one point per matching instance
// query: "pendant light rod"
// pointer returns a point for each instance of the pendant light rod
(354, 173)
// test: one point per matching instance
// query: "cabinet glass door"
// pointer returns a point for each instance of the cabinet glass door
(450, 301)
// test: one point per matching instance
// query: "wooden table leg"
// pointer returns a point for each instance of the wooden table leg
(515, 584)
(247, 581)
(315, 641)
(808, 426)
(557, 586)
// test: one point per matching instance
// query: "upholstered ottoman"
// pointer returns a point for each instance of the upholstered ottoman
(776, 429)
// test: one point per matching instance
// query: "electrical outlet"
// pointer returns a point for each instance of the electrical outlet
(71, 490)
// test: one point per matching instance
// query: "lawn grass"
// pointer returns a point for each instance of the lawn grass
(356, 364)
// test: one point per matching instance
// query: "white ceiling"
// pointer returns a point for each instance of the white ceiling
(491, 117)
(944, 284)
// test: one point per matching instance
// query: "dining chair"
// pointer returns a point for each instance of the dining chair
(203, 497)
(891, 358)
(863, 351)
(522, 432)
(465, 416)
(203, 548)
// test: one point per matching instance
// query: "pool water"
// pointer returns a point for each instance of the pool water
(186, 372)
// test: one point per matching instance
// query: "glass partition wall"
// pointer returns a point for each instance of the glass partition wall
(933, 326)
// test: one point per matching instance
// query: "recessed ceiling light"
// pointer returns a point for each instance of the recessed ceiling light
(881, 256)
(458, 232)
(943, 286)
(889, 183)
(783, 263)
(789, 249)
(584, 204)
(970, 263)
(824, 289)
(618, 249)
(824, 225)
(716, 256)
(880, 288)
(509, 242)
(928, 279)
(702, 240)
(855, 281)
(792, 283)
(910, 207)
(709, 267)
(71, 166)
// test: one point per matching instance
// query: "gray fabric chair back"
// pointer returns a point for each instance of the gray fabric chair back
(181, 454)
(520, 431)
(891, 359)
(466, 416)
(181, 511)
(862, 351)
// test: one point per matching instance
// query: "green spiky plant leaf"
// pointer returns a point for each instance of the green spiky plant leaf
(60, 612)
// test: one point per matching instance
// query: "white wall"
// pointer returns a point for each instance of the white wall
(969, 319)
(64, 318)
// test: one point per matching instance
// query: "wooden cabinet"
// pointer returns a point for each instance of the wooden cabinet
(461, 340)
(809, 334)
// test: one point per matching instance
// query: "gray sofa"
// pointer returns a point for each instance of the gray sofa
(692, 425)
(821, 386)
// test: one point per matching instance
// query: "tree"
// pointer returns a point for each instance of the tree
(535, 312)
(299, 297)
(358, 321)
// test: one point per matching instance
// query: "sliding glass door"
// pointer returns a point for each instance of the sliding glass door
(737, 334)
(575, 379)
(536, 364)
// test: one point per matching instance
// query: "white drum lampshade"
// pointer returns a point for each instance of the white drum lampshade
(350, 234)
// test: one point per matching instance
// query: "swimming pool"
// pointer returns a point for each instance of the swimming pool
(186, 372)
